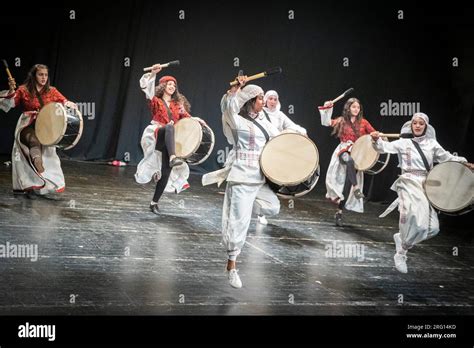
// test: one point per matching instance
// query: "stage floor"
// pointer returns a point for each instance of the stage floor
(101, 251)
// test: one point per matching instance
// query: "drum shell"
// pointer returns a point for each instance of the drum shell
(366, 158)
(60, 126)
(295, 191)
(290, 163)
(194, 140)
(449, 187)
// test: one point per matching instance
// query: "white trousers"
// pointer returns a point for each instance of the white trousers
(240, 201)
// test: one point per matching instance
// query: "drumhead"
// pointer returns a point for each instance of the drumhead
(363, 153)
(51, 124)
(289, 159)
(449, 186)
(187, 136)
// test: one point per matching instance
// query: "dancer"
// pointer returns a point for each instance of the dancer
(167, 106)
(343, 183)
(418, 219)
(248, 130)
(35, 168)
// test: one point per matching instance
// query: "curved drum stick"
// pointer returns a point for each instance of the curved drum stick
(349, 91)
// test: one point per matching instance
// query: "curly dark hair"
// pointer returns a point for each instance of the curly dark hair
(30, 82)
(346, 116)
(176, 96)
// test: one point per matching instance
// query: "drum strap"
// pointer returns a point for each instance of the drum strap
(266, 115)
(423, 157)
(168, 111)
(265, 133)
(39, 98)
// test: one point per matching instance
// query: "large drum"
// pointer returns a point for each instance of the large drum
(290, 162)
(60, 126)
(449, 187)
(194, 140)
(366, 158)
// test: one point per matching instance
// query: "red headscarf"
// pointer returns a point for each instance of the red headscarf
(168, 78)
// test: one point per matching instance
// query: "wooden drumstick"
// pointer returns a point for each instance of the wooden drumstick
(271, 71)
(173, 63)
(389, 135)
(8, 70)
(349, 91)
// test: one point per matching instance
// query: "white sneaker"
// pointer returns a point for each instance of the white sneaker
(262, 219)
(401, 263)
(234, 279)
(157, 176)
(398, 242)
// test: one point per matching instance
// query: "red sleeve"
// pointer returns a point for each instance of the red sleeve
(19, 95)
(57, 96)
(183, 114)
(368, 127)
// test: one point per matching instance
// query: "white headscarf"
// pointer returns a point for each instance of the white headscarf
(246, 93)
(272, 93)
(430, 131)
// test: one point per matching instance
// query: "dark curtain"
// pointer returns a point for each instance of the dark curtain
(408, 60)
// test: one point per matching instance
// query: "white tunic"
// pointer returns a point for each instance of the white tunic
(418, 220)
(283, 122)
(246, 191)
(249, 141)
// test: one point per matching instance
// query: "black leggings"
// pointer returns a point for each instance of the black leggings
(351, 176)
(165, 144)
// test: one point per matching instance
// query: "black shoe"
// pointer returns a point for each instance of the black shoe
(338, 218)
(358, 194)
(176, 162)
(154, 209)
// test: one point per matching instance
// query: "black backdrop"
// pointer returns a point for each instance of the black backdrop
(402, 60)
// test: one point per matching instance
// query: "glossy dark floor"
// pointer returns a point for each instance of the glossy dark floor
(101, 251)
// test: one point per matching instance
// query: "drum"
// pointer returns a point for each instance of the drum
(290, 162)
(366, 158)
(194, 141)
(60, 126)
(449, 187)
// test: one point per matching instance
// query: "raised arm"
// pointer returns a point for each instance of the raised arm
(326, 113)
(9, 99)
(147, 82)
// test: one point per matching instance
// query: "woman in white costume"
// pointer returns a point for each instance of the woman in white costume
(248, 130)
(418, 219)
(343, 183)
(272, 108)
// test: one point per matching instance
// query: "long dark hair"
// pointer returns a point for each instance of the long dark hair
(346, 116)
(176, 96)
(247, 108)
(30, 82)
